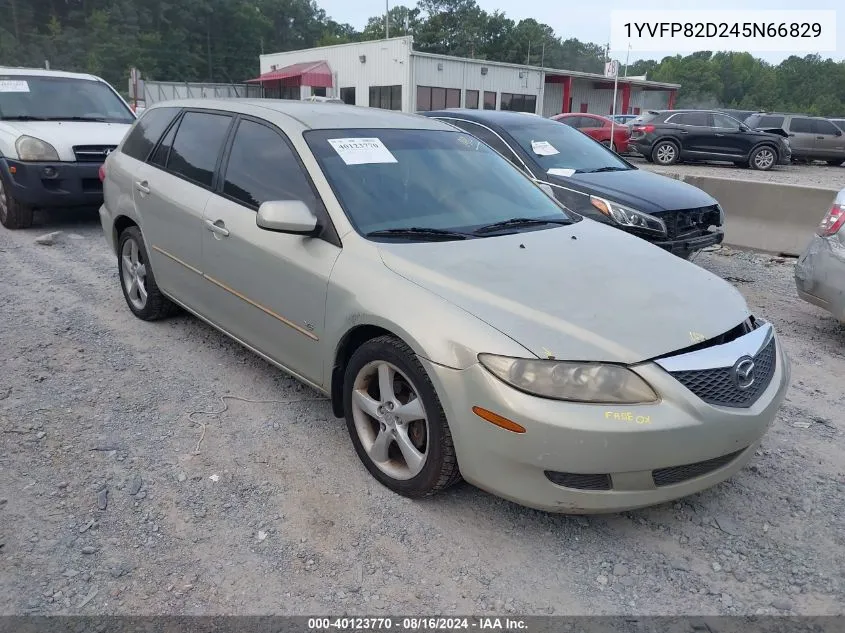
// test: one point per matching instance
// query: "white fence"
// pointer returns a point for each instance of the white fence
(150, 92)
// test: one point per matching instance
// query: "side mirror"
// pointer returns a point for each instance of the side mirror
(743, 127)
(287, 216)
(838, 132)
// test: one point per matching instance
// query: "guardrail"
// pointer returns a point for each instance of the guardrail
(766, 216)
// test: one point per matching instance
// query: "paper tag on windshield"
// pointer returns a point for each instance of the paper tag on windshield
(13, 85)
(557, 171)
(361, 151)
(543, 148)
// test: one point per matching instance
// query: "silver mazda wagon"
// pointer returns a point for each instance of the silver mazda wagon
(464, 323)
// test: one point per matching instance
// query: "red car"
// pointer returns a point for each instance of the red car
(598, 128)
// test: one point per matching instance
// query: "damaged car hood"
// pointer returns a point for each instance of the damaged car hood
(578, 292)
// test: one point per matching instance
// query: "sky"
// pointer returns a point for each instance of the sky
(590, 22)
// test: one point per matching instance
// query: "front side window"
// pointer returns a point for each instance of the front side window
(60, 99)
(726, 122)
(826, 127)
(197, 146)
(262, 167)
(149, 128)
(764, 121)
(555, 146)
(434, 179)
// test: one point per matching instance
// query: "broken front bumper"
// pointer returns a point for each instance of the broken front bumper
(820, 274)
(689, 245)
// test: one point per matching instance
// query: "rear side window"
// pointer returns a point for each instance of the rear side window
(197, 146)
(159, 157)
(700, 119)
(825, 127)
(263, 167)
(801, 124)
(147, 131)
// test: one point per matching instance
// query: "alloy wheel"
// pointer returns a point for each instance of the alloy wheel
(666, 153)
(390, 420)
(134, 274)
(764, 159)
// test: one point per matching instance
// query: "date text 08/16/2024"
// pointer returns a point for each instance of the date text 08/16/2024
(416, 624)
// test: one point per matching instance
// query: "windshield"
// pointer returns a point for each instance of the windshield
(60, 99)
(556, 146)
(449, 181)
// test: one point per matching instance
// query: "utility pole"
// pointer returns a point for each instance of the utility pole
(18, 42)
(386, 19)
(208, 48)
(528, 61)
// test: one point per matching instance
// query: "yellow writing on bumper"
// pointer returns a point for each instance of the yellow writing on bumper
(627, 416)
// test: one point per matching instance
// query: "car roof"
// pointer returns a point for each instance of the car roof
(41, 72)
(310, 114)
(503, 118)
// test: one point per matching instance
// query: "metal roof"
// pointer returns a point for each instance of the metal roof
(317, 74)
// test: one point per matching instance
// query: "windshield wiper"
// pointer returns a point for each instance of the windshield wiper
(79, 118)
(23, 117)
(419, 232)
(516, 223)
(601, 169)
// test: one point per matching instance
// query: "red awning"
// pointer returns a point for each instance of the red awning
(315, 74)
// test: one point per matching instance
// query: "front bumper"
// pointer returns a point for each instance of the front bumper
(690, 245)
(625, 444)
(53, 184)
(820, 274)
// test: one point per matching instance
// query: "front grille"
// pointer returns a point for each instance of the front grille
(578, 481)
(690, 222)
(92, 153)
(719, 386)
(679, 474)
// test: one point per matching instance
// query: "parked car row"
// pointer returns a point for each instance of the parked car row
(441, 280)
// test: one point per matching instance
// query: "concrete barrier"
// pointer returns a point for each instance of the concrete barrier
(766, 216)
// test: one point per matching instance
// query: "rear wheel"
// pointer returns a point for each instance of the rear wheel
(665, 153)
(137, 280)
(763, 158)
(395, 419)
(13, 214)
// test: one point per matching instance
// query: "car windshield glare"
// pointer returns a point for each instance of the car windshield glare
(60, 99)
(556, 146)
(427, 179)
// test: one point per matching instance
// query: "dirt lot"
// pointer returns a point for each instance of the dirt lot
(814, 175)
(110, 503)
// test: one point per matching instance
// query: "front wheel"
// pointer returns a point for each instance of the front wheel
(395, 419)
(763, 158)
(13, 214)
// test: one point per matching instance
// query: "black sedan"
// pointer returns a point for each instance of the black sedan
(668, 136)
(593, 181)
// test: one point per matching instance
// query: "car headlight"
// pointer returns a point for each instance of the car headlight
(576, 382)
(626, 216)
(31, 148)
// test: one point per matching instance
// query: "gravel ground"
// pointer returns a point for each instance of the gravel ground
(813, 175)
(107, 506)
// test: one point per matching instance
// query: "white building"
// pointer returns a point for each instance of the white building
(391, 74)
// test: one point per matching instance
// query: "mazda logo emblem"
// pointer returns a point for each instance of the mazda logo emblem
(744, 373)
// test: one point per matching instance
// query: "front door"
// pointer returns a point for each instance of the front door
(266, 288)
(728, 138)
(829, 142)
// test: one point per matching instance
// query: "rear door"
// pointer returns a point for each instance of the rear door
(171, 195)
(693, 131)
(829, 141)
(802, 136)
(267, 288)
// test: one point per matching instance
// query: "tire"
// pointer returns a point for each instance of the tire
(369, 417)
(665, 153)
(763, 158)
(132, 254)
(13, 214)
(836, 163)
(648, 158)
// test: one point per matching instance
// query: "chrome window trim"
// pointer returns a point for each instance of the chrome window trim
(720, 356)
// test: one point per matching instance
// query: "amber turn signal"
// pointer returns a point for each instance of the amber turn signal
(498, 420)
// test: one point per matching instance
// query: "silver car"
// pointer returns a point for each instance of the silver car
(820, 271)
(464, 323)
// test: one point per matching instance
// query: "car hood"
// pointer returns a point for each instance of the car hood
(640, 189)
(579, 292)
(63, 135)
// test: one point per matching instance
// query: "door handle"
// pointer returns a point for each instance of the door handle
(718, 134)
(217, 227)
(684, 131)
(820, 138)
(143, 187)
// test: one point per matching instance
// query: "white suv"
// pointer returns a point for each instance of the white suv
(56, 130)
